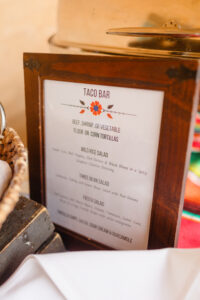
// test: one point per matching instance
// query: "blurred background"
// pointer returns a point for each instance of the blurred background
(24, 26)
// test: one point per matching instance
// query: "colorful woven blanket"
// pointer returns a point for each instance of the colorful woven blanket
(189, 236)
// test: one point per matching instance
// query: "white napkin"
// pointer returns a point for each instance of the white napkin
(5, 176)
(107, 275)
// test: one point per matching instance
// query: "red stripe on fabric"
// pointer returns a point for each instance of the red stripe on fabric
(196, 144)
(189, 236)
(198, 120)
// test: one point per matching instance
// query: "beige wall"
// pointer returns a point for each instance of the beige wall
(24, 27)
(86, 21)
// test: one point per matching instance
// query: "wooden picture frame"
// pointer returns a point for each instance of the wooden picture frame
(178, 79)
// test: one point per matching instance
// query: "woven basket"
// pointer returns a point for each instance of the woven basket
(12, 150)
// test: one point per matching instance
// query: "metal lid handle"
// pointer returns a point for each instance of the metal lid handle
(3, 120)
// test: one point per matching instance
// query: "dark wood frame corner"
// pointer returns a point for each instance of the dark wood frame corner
(178, 78)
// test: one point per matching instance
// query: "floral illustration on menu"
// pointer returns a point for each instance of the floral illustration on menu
(96, 108)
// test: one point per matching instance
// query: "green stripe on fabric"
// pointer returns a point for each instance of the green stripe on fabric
(190, 215)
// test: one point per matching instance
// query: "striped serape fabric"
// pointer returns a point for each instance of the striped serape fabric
(189, 236)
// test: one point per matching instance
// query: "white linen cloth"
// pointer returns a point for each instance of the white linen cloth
(5, 176)
(107, 275)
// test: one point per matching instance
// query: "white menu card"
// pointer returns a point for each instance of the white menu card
(101, 145)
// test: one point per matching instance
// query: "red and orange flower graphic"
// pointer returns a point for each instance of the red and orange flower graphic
(96, 108)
